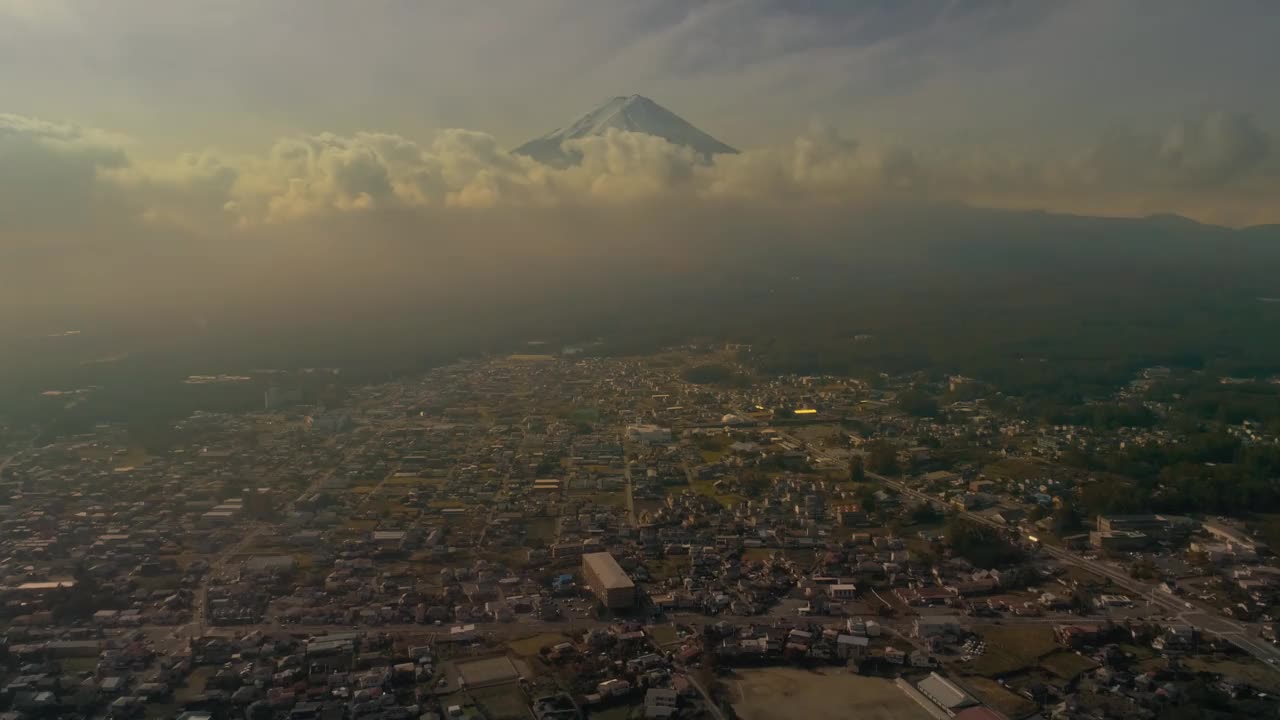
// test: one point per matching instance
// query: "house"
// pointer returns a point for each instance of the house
(920, 659)
(644, 662)
(462, 633)
(1075, 636)
(843, 591)
(850, 515)
(661, 703)
(935, 626)
(610, 688)
(851, 647)
(648, 434)
(1175, 638)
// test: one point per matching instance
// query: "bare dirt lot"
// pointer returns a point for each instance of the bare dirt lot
(829, 694)
(480, 673)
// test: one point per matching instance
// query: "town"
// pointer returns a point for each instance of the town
(557, 535)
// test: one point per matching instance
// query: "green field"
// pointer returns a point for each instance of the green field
(1067, 665)
(1011, 649)
(663, 634)
(707, 488)
(531, 645)
(993, 694)
(826, 694)
(1016, 469)
(505, 702)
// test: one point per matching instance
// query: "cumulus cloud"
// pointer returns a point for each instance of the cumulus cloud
(55, 174)
(306, 176)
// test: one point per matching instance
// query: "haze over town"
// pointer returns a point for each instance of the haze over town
(573, 359)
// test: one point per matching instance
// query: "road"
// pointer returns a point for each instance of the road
(1242, 635)
(6, 462)
(706, 696)
(626, 471)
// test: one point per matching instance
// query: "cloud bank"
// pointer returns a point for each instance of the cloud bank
(1217, 167)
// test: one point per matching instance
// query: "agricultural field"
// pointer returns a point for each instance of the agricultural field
(504, 702)
(531, 645)
(1011, 649)
(790, 693)
(993, 694)
(1066, 664)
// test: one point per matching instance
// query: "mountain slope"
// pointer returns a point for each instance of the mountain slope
(633, 113)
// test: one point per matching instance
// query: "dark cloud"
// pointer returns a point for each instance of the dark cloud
(49, 173)
(1202, 152)
(1213, 149)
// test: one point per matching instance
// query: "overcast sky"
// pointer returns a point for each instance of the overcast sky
(237, 73)
(175, 126)
(158, 146)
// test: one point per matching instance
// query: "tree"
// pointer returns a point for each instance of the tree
(1143, 569)
(980, 544)
(857, 471)
(754, 483)
(867, 499)
(1081, 604)
(926, 514)
(882, 458)
(1066, 518)
(918, 403)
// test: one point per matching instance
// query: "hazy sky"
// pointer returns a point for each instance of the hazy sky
(153, 126)
(235, 73)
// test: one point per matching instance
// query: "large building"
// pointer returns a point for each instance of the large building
(648, 434)
(1157, 527)
(945, 694)
(1119, 540)
(608, 581)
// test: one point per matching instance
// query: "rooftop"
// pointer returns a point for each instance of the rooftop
(944, 692)
(608, 570)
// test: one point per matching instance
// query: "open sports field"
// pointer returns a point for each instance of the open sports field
(829, 694)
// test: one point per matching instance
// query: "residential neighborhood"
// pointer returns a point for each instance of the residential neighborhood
(563, 536)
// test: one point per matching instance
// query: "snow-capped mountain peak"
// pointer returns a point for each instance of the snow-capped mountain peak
(630, 113)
